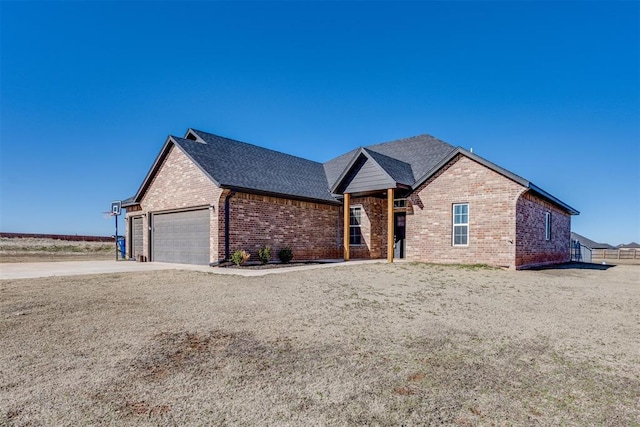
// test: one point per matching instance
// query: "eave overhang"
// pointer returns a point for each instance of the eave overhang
(516, 178)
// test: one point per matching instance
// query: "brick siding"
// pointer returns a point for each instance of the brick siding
(492, 216)
(532, 248)
(178, 184)
(373, 228)
(312, 230)
(506, 223)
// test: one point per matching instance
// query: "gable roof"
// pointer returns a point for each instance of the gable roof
(411, 161)
(400, 171)
(392, 171)
(422, 152)
(410, 158)
(590, 243)
(632, 245)
(241, 166)
(236, 165)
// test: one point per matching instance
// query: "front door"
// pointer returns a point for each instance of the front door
(399, 245)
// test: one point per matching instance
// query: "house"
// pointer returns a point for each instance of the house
(417, 198)
(589, 243)
(582, 248)
(632, 245)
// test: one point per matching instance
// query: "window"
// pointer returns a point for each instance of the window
(355, 234)
(547, 226)
(461, 224)
(400, 204)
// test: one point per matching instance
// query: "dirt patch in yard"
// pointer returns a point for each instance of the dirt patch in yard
(380, 344)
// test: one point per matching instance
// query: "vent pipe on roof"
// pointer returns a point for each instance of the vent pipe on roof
(471, 150)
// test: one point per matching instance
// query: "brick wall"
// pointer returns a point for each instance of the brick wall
(373, 228)
(532, 248)
(312, 230)
(492, 215)
(179, 184)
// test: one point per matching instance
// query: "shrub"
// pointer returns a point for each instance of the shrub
(285, 254)
(240, 256)
(264, 254)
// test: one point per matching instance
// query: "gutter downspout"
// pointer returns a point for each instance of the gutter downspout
(227, 255)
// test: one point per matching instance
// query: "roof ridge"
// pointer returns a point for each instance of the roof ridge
(252, 145)
(384, 155)
(422, 135)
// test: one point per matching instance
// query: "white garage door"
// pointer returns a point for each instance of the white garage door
(181, 237)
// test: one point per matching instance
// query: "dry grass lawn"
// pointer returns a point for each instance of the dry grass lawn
(44, 250)
(376, 344)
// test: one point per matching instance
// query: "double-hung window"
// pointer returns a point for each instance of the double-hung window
(355, 219)
(460, 224)
(547, 226)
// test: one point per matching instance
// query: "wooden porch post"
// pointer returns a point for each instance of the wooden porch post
(346, 226)
(390, 225)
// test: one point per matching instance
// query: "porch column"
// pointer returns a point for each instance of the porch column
(390, 225)
(345, 233)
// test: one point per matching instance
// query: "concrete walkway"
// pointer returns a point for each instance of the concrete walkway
(28, 270)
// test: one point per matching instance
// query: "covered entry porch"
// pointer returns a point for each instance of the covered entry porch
(373, 188)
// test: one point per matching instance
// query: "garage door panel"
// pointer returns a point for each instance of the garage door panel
(137, 237)
(181, 237)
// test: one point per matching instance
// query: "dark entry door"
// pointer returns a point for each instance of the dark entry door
(399, 246)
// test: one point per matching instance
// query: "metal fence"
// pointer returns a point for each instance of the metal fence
(579, 252)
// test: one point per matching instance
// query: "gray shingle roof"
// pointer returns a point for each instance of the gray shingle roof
(400, 171)
(241, 166)
(632, 245)
(128, 202)
(235, 164)
(422, 152)
(406, 160)
(590, 243)
(334, 167)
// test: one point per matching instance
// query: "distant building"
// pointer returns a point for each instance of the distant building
(632, 245)
(582, 247)
(590, 243)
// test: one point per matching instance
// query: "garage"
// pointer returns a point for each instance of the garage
(181, 237)
(136, 237)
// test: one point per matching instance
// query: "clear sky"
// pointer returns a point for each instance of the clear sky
(90, 91)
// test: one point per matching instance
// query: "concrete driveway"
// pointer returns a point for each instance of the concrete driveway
(26, 270)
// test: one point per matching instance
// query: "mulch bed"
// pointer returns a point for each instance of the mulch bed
(254, 265)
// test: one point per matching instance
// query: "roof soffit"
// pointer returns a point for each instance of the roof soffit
(516, 178)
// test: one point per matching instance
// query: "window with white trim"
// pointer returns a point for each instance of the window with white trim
(460, 224)
(547, 226)
(355, 220)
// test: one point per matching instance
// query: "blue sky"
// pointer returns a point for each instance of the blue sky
(90, 91)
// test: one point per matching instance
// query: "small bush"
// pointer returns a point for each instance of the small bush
(285, 255)
(239, 257)
(264, 254)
